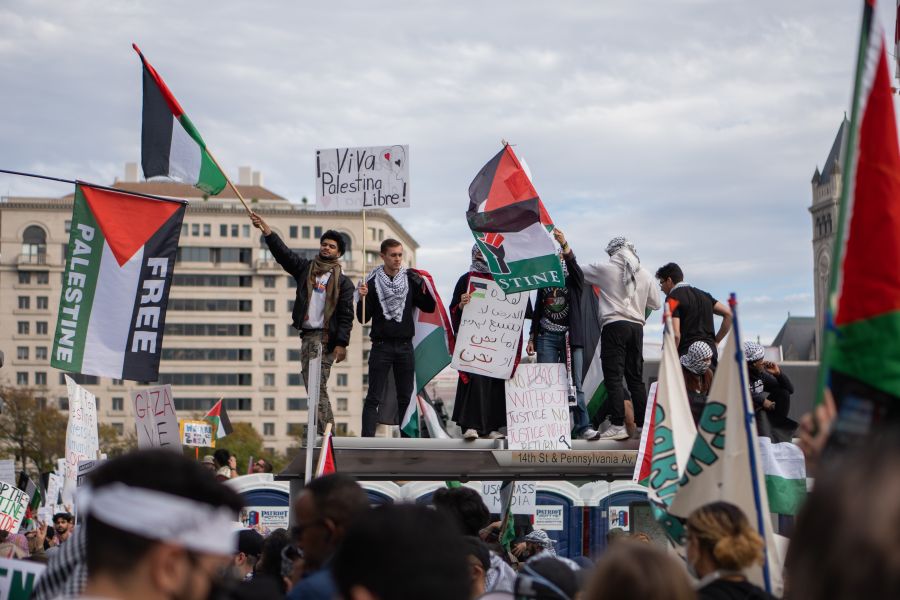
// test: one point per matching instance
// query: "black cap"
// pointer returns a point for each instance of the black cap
(250, 542)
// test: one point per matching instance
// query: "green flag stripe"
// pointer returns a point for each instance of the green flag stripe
(79, 284)
(862, 348)
(785, 495)
(598, 399)
(211, 179)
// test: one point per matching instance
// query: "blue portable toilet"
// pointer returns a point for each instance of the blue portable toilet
(608, 505)
(559, 512)
(381, 492)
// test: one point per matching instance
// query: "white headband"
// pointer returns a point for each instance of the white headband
(160, 516)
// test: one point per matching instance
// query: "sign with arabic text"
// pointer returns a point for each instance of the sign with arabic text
(537, 408)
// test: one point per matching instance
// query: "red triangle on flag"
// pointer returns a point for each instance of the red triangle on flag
(127, 221)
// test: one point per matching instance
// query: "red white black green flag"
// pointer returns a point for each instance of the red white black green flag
(119, 263)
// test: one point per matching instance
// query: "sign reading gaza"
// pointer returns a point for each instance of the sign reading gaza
(360, 178)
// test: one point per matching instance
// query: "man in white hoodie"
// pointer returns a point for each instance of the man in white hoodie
(627, 291)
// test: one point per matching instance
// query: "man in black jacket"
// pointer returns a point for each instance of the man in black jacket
(389, 304)
(323, 309)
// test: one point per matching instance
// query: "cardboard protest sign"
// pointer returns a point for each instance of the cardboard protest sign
(155, 418)
(362, 178)
(82, 440)
(18, 578)
(8, 471)
(537, 408)
(13, 504)
(197, 433)
(85, 467)
(524, 500)
(54, 487)
(265, 518)
(490, 330)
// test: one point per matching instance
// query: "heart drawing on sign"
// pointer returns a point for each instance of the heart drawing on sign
(387, 156)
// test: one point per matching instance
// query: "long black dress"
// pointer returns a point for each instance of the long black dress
(480, 400)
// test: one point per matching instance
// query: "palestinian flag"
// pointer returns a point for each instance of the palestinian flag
(512, 227)
(861, 353)
(35, 498)
(119, 263)
(218, 416)
(170, 144)
(325, 464)
(592, 381)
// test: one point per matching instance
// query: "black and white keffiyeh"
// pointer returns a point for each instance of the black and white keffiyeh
(479, 265)
(391, 292)
(753, 351)
(697, 358)
(621, 247)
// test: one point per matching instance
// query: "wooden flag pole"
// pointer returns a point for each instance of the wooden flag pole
(320, 463)
(228, 179)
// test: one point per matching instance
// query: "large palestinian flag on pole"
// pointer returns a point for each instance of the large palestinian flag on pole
(119, 263)
(861, 354)
(170, 144)
(512, 227)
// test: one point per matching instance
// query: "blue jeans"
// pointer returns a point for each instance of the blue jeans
(551, 348)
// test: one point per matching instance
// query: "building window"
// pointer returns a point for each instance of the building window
(40, 378)
(342, 380)
(342, 404)
(268, 403)
(242, 379)
(268, 354)
(365, 379)
(292, 231)
(195, 229)
(119, 428)
(184, 230)
(245, 230)
(269, 305)
(42, 278)
(223, 354)
(269, 379)
(223, 230)
(367, 331)
(68, 225)
(118, 382)
(290, 305)
(317, 231)
(211, 304)
(22, 352)
(209, 329)
(25, 277)
(118, 403)
(295, 379)
(21, 378)
(296, 429)
(79, 379)
(43, 303)
(23, 327)
(297, 403)
(269, 429)
(193, 280)
(63, 403)
(269, 330)
(24, 302)
(207, 230)
(34, 244)
(269, 281)
(293, 355)
(40, 352)
(341, 429)
(305, 232)
(41, 327)
(234, 231)
(366, 355)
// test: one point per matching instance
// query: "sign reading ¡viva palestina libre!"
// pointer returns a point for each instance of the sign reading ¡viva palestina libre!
(361, 178)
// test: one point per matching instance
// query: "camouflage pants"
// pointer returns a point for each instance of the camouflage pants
(308, 348)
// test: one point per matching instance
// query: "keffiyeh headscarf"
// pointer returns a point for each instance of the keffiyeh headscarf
(479, 265)
(696, 358)
(753, 351)
(391, 292)
(620, 246)
(539, 537)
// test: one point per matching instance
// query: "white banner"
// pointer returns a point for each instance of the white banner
(82, 440)
(362, 178)
(524, 498)
(54, 487)
(197, 433)
(490, 330)
(13, 504)
(18, 578)
(155, 418)
(537, 408)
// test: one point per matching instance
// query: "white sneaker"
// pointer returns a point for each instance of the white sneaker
(470, 434)
(615, 432)
(495, 435)
(590, 434)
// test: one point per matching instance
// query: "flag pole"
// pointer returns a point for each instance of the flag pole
(323, 451)
(230, 183)
(92, 185)
(364, 265)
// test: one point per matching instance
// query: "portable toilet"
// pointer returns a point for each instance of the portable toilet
(621, 504)
(559, 512)
(382, 492)
(266, 501)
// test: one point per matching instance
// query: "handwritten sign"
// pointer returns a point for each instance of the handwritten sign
(54, 487)
(82, 441)
(537, 408)
(524, 500)
(362, 178)
(18, 578)
(155, 418)
(13, 504)
(197, 433)
(490, 330)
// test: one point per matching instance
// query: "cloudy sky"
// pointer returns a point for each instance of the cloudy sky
(692, 126)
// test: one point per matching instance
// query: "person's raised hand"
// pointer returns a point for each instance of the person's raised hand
(465, 299)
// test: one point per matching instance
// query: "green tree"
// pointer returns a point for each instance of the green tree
(33, 433)
(114, 444)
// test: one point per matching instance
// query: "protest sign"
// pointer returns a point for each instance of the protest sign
(524, 500)
(85, 467)
(362, 178)
(537, 408)
(549, 517)
(18, 578)
(82, 441)
(8, 471)
(490, 330)
(197, 433)
(13, 504)
(54, 487)
(155, 418)
(265, 518)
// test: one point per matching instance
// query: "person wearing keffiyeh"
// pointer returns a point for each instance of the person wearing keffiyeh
(627, 294)
(698, 375)
(389, 294)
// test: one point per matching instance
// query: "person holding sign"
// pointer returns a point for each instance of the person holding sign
(389, 304)
(556, 332)
(627, 294)
(480, 406)
(323, 310)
